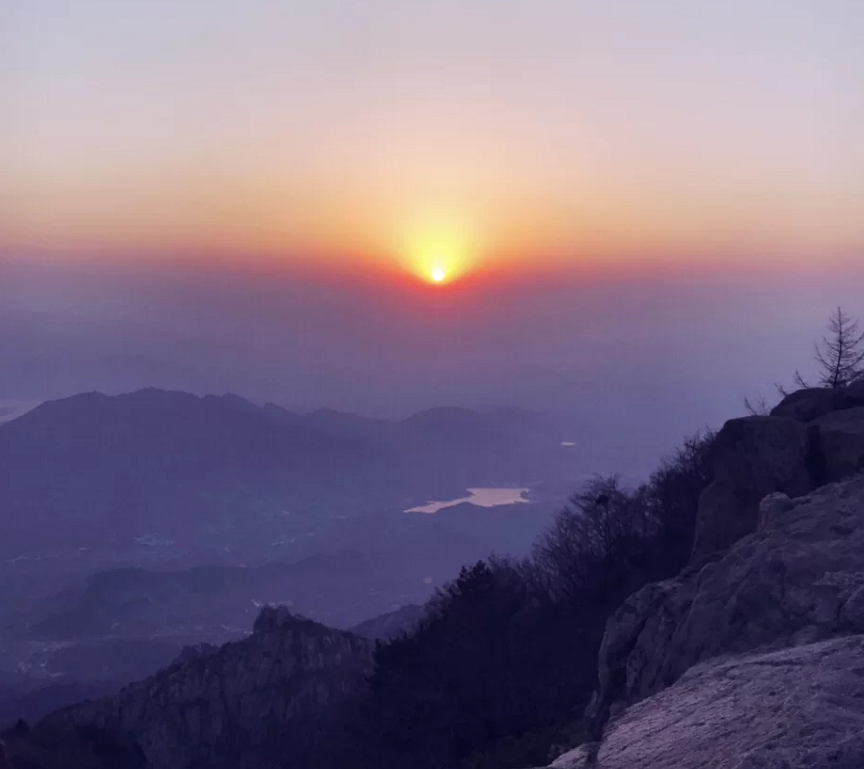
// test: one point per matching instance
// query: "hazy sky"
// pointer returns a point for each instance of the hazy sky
(638, 359)
(409, 130)
(647, 208)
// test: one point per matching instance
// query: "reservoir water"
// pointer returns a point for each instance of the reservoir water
(486, 497)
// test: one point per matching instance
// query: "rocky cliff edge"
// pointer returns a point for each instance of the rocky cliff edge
(753, 658)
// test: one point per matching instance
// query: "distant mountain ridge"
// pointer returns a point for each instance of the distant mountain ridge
(389, 625)
(96, 471)
(12, 409)
(215, 603)
(135, 524)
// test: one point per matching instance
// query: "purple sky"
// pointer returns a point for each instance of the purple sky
(659, 357)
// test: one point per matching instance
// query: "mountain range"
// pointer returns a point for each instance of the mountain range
(178, 474)
(748, 657)
(135, 525)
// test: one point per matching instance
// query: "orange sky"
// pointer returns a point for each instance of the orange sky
(476, 134)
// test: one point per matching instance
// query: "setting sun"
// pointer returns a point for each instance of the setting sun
(438, 253)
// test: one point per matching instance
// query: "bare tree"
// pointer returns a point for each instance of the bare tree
(597, 543)
(839, 358)
(758, 407)
(840, 354)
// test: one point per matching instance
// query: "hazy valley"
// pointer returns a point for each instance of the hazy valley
(143, 523)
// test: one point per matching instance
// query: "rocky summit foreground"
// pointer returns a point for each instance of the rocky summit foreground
(799, 707)
(753, 658)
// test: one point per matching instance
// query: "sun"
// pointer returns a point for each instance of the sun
(437, 255)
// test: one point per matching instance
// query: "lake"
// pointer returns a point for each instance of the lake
(490, 497)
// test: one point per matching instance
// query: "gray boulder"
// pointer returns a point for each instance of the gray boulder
(819, 440)
(789, 709)
(815, 402)
(752, 457)
(798, 579)
(806, 405)
(753, 657)
(841, 442)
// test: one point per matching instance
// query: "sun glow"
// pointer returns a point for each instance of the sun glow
(439, 256)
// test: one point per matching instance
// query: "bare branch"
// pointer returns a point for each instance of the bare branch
(799, 380)
(758, 407)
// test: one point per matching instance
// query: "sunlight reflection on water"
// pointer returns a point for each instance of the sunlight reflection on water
(491, 497)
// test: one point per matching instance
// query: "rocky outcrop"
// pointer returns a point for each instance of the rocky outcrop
(812, 437)
(752, 457)
(812, 403)
(841, 442)
(789, 709)
(799, 578)
(218, 707)
(753, 661)
(194, 652)
(753, 657)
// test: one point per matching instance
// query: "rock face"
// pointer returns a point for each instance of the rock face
(799, 578)
(752, 458)
(753, 657)
(841, 441)
(791, 709)
(218, 707)
(753, 661)
(807, 405)
(812, 437)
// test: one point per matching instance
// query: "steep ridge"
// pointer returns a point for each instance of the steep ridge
(222, 707)
(753, 657)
